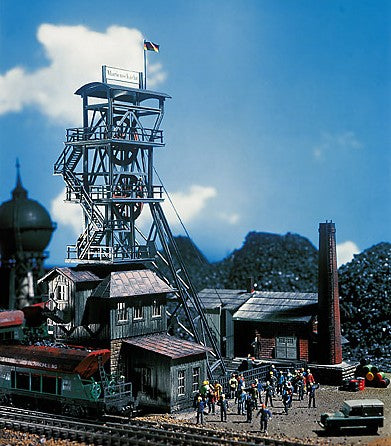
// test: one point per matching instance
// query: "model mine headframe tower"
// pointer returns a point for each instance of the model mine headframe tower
(107, 165)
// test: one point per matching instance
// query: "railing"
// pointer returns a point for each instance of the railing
(118, 391)
(114, 132)
(95, 253)
(107, 254)
(259, 372)
(104, 192)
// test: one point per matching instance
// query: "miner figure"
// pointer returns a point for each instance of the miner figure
(265, 415)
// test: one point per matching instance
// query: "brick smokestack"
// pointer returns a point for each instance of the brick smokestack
(329, 324)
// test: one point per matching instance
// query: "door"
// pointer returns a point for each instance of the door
(286, 347)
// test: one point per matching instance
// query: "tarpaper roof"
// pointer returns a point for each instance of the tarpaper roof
(131, 283)
(76, 276)
(227, 299)
(270, 306)
(166, 345)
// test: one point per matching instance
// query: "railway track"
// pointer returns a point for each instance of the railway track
(133, 432)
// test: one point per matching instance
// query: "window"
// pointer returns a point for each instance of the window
(181, 382)
(61, 303)
(196, 379)
(36, 383)
(156, 309)
(22, 381)
(145, 379)
(49, 384)
(137, 312)
(122, 313)
(61, 292)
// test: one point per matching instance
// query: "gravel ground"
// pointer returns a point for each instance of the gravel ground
(302, 422)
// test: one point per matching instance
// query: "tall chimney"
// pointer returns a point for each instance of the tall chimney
(329, 325)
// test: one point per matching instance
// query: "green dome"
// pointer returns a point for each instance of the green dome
(24, 223)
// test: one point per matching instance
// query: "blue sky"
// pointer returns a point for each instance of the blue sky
(279, 117)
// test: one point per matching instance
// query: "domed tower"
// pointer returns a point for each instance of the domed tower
(25, 232)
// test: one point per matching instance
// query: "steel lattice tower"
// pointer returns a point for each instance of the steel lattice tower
(108, 169)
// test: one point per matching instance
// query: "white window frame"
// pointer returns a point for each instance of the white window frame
(156, 309)
(61, 296)
(138, 313)
(122, 312)
(196, 379)
(62, 292)
(181, 382)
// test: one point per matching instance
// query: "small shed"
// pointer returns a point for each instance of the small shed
(276, 325)
(166, 372)
(220, 305)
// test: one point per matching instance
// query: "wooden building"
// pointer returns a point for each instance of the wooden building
(166, 371)
(264, 324)
(276, 325)
(220, 306)
(126, 312)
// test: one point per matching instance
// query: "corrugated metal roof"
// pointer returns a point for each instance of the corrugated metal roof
(166, 345)
(278, 307)
(227, 299)
(72, 274)
(131, 283)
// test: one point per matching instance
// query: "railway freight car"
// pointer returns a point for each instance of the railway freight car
(61, 379)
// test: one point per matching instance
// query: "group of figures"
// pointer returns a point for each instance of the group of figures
(257, 395)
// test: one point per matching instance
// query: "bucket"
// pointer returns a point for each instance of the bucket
(370, 376)
(361, 383)
(374, 369)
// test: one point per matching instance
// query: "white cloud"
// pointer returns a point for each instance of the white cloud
(75, 55)
(342, 141)
(345, 252)
(231, 219)
(189, 204)
(67, 214)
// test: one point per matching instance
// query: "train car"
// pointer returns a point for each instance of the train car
(62, 379)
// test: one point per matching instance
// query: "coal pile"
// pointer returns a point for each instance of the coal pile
(202, 273)
(290, 263)
(276, 262)
(365, 292)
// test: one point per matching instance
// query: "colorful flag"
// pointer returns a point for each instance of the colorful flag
(149, 46)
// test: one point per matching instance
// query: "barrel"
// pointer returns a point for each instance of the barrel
(374, 369)
(367, 368)
(384, 383)
(379, 376)
(370, 376)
